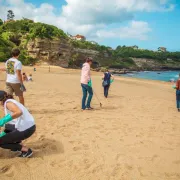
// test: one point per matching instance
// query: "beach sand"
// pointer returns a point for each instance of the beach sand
(134, 136)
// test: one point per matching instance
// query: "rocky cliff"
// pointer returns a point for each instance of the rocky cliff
(62, 53)
(54, 52)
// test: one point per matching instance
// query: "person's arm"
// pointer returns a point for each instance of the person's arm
(103, 76)
(2, 69)
(19, 76)
(112, 76)
(16, 112)
(177, 84)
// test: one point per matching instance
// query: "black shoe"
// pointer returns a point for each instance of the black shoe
(178, 110)
(27, 154)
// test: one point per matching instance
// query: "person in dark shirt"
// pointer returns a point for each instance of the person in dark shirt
(106, 82)
(178, 93)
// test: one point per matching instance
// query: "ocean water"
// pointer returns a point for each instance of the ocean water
(160, 75)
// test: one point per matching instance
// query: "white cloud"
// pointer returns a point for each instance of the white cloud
(135, 30)
(98, 11)
(90, 18)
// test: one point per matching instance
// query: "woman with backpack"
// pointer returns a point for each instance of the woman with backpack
(107, 82)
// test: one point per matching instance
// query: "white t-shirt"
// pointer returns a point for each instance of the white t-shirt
(25, 121)
(12, 65)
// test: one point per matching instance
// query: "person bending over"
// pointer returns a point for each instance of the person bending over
(19, 125)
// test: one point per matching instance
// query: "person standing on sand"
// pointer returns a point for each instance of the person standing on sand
(14, 82)
(19, 125)
(107, 82)
(86, 84)
(178, 93)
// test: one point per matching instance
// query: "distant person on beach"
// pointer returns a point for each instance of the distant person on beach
(178, 93)
(19, 125)
(107, 82)
(86, 84)
(24, 77)
(30, 77)
(14, 82)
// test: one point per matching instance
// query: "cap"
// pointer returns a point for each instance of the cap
(2, 95)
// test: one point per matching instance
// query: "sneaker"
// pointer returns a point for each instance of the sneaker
(27, 154)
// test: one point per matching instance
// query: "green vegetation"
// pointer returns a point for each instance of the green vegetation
(5, 49)
(18, 33)
(123, 51)
(90, 46)
(1, 22)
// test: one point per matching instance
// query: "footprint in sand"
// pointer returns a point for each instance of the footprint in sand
(76, 148)
(8, 170)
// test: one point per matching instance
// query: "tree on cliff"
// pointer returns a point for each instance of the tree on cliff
(1, 22)
(10, 15)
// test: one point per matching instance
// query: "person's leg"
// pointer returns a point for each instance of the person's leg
(21, 99)
(84, 90)
(104, 91)
(12, 141)
(18, 92)
(178, 100)
(107, 91)
(9, 141)
(90, 91)
(9, 89)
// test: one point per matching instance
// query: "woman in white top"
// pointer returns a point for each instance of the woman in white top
(19, 125)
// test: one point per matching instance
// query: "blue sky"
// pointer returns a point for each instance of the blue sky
(149, 24)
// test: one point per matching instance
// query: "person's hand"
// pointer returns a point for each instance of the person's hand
(174, 86)
(90, 83)
(2, 134)
(22, 88)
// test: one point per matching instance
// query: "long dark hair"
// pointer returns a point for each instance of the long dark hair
(6, 97)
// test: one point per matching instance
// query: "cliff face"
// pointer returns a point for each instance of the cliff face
(61, 53)
(54, 52)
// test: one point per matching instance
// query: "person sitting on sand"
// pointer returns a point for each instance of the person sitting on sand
(19, 125)
(178, 93)
(107, 82)
(24, 77)
(86, 84)
(30, 77)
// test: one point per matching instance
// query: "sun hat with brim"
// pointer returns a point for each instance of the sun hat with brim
(2, 95)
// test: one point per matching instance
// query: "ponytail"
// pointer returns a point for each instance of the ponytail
(6, 97)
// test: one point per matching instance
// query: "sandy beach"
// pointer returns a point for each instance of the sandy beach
(134, 136)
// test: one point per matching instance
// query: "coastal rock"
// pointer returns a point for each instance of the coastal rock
(54, 52)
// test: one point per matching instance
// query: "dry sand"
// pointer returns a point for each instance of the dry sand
(135, 136)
